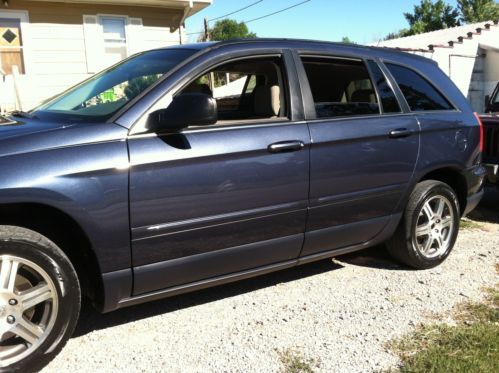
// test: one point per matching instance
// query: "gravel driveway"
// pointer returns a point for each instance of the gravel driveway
(337, 312)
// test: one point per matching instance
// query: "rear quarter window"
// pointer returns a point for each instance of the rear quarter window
(419, 93)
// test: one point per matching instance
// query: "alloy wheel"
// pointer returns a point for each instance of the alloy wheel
(28, 308)
(434, 227)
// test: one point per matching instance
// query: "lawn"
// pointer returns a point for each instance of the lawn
(472, 345)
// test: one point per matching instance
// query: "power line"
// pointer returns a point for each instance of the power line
(236, 11)
(254, 19)
(279, 11)
(195, 33)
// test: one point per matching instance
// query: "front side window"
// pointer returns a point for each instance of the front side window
(245, 90)
(340, 87)
(104, 94)
(11, 46)
(420, 94)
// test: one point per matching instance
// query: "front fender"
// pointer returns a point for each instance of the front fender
(87, 182)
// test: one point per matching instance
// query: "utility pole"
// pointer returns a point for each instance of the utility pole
(206, 30)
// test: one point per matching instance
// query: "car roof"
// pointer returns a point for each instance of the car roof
(299, 44)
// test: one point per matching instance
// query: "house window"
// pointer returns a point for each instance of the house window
(115, 43)
(11, 45)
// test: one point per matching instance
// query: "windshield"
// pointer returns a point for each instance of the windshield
(99, 97)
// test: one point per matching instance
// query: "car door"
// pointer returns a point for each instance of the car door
(216, 200)
(363, 154)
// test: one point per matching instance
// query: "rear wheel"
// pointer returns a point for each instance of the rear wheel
(39, 299)
(429, 228)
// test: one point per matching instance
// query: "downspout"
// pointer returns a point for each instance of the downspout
(187, 11)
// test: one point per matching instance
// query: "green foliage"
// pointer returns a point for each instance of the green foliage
(452, 349)
(473, 11)
(137, 85)
(294, 362)
(469, 224)
(347, 40)
(397, 34)
(470, 346)
(431, 16)
(226, 29)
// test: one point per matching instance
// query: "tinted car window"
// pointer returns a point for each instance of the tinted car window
(245, 90)
(419, 93)
(495, 100)
(340, 87)
(99, 97)
(388, 100)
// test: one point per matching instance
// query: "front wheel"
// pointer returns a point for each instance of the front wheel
(39, 300)
(429, 228)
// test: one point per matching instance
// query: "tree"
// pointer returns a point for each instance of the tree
(346, 40)
(397, 34)
(473, 11)
(432, 16)
(226, 29)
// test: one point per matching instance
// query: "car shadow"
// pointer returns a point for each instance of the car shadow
(487, 210)
(373, 257)
(91, 320)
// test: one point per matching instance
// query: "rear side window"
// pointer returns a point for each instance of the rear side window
(388, 100)
(419, 93)
(340, 87)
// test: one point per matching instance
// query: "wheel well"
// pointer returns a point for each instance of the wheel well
(455, 180)
(65, 233)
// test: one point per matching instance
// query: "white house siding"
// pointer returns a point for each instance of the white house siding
(491, 70)
(57, 60)
(471, 64)
(55, 50)
(231, 89)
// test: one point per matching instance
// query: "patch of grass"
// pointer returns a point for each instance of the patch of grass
(469, 224)
(488, 311)
(472, 345)
(294, 362)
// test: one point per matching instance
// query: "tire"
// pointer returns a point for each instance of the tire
(39, 300)
(421, 240)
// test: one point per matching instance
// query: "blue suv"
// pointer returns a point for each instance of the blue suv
(192, 166)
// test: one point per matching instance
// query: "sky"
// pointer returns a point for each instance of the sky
(363, 21)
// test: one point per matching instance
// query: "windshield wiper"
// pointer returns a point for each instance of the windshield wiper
(22, 114)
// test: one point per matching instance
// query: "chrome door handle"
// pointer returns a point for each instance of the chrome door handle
(399, 132)
(286, 146)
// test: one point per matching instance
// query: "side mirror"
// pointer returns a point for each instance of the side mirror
(187, 109)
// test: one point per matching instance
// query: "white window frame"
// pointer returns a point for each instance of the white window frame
(102, 16)
(133, 28)
(23, 17)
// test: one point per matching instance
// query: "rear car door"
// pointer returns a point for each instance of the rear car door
(363, 154)
(215, 200)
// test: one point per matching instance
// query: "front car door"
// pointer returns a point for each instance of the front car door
(363, 154)
(211, 201)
